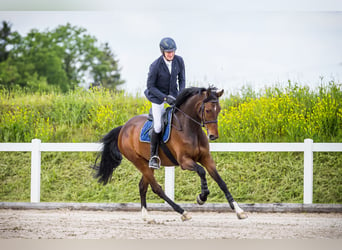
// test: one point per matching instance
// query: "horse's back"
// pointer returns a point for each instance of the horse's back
(134, 124)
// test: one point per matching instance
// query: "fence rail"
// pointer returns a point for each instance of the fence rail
(308, 148)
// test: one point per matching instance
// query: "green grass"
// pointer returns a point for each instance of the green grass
(15, 176)
(251, 178)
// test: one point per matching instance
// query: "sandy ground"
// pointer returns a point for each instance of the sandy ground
(76, 224)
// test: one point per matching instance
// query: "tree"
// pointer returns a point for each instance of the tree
(7, 38)
(63, 57)
(105, 71)
(9, 74)
(4, 37)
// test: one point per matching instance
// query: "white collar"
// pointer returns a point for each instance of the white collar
(168, 64)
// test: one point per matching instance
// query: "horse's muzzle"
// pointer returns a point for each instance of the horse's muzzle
(213, 137)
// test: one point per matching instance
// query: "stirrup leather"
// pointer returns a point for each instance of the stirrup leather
(151, 162)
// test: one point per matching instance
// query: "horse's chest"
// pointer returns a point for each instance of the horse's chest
(192, 148)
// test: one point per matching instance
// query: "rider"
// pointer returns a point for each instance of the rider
(164, 74)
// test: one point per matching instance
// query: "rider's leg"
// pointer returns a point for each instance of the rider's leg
(157, 111)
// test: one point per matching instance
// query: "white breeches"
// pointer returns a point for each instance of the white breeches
(157, 112)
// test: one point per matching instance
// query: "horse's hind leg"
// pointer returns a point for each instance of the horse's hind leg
(202, 197)
(143, 186)
(157, 189)
(148, 179)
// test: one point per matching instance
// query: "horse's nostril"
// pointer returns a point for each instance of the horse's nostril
(213, 137)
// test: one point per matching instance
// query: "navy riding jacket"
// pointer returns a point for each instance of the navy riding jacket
(161, 83)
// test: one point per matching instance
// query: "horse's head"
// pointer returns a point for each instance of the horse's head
(209, 110)
(201, 106)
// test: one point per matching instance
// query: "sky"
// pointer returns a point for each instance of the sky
(223, 43)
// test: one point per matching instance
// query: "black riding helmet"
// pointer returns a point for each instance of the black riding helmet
(167, 44)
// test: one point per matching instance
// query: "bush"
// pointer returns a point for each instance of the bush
(288, 115)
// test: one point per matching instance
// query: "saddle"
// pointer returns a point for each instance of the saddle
(146, 130)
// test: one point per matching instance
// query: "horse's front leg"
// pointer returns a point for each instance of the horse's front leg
(233, 204)
(202, 197)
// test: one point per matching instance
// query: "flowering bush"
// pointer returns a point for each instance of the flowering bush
(291, 115)
(275, 115)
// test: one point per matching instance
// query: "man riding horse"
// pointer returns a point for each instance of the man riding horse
(194, 109)
(164, 75)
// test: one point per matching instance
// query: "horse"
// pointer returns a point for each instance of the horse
(195, 108)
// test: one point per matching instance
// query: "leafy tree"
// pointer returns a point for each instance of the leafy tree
(7, 38)
(8, 71)
(4, 37)
(60, 59)
(105, 71)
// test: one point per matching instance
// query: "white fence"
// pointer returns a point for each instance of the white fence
(308, 148)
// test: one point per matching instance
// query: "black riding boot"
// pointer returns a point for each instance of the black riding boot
(155, 160)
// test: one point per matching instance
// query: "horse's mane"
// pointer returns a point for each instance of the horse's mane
(186, 93)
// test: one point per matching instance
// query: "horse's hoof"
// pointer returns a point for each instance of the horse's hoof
(146, 217)
(186, 216)
(242, 215)
(151, 221)
(199, 201)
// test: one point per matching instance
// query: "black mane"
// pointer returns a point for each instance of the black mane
(186, 93)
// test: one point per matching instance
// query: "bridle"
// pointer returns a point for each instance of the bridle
(203, 122)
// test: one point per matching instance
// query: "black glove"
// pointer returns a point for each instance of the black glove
(170, 100)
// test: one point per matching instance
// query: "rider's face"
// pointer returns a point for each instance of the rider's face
(169, 55)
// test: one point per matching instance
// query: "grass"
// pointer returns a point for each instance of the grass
(251, 178)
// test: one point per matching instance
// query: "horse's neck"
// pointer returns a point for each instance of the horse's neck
(189, 119)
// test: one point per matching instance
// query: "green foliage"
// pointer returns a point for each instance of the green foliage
(276, 114)
(76, 116)
(60, 59)
(23, 125)
(291, 115)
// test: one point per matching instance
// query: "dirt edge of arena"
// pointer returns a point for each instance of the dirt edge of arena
(209, 207)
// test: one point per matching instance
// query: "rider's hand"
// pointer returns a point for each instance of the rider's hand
(170, 100)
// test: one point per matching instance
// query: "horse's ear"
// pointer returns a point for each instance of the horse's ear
(219, 93)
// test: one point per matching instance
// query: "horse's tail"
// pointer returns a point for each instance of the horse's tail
(110, 157)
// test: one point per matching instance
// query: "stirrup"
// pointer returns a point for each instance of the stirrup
(154, 162)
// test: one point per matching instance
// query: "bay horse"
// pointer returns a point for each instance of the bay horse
(194, 109)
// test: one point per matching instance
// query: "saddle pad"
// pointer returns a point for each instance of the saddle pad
(148, 125)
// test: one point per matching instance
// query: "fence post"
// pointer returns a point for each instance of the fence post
(308, 171)
(170, 182)
(35, 170)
